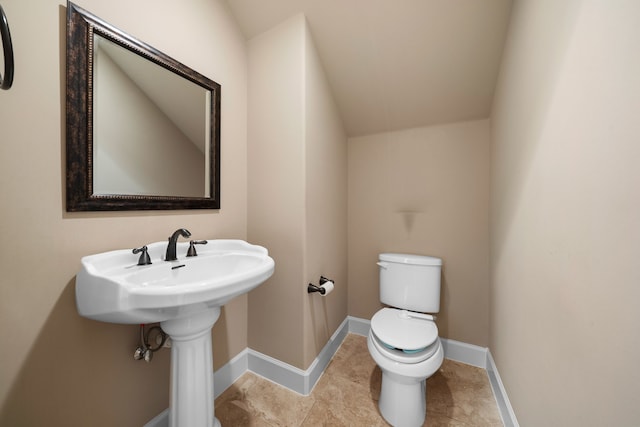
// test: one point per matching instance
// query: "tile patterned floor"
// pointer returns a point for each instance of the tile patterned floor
(458, 395)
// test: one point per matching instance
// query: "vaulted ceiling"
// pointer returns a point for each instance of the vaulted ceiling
(397, 64)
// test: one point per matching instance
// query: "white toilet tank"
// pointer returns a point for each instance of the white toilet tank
(410, 282)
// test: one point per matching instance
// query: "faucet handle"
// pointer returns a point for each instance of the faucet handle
(192, 248)
(144, 259)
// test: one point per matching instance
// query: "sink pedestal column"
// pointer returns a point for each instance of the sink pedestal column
(192, 369)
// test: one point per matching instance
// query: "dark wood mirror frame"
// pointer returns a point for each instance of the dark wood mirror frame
(81, 27)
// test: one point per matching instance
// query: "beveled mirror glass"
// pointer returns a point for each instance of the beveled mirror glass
(143, 130)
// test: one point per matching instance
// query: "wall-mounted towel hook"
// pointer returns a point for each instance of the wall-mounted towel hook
(6, 79)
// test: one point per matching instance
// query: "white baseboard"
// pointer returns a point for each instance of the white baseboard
(465, 353)
(303, 381)
(504, 405)
(296, 379)
(359, 326)
(230, 372)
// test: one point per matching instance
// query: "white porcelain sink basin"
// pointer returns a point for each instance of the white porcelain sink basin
(111, 287)
(185, 296)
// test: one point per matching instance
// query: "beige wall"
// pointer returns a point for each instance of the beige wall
(326, 206)
(565, 210)
(424, 191)
(297, 201)
(58, 368)
(276, 187)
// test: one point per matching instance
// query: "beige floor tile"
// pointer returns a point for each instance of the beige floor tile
(255, 401)
(458, 395)
(461, 395)
(346, 400)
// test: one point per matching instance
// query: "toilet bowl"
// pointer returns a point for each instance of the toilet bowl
(402, 400)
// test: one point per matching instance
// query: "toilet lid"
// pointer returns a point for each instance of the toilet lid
(398, 329)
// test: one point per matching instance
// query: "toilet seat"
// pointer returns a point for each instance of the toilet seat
(399, 355)
(397, 329)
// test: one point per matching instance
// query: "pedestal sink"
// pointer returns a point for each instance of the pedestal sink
(185, 296)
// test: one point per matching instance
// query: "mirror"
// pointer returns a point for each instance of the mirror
(143, 130)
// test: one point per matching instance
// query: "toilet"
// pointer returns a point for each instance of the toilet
(403, 338)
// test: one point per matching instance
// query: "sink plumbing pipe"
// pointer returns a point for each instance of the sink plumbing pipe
(145, 350)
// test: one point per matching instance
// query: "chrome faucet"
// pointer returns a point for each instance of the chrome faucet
(173, 240)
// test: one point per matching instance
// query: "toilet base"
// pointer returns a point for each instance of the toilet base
(403, 401)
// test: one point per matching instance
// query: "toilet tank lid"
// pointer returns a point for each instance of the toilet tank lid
(410, 259)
